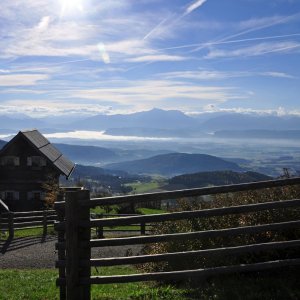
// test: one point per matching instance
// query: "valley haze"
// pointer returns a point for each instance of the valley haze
(262, 138)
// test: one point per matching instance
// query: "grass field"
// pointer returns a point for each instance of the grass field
(150, 211)
(144, 187)
(40, 285)
(30, 232)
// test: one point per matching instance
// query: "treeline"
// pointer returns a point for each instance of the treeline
(214, 178)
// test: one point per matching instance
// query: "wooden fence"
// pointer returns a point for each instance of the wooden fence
(131, 228)
(12, 221)
(75, 243)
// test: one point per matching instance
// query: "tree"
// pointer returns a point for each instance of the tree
(51, 187)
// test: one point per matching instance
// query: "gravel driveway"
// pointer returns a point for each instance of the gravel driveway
(36, 252)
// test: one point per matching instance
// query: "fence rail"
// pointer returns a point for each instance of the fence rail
(75, 243)
(12, 221)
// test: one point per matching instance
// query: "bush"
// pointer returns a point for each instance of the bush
(228, 221)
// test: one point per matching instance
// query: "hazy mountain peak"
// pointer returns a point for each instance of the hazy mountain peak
(154, 118)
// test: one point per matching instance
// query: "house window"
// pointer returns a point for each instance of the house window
(11, 195)
(36, 161)
(10, 161)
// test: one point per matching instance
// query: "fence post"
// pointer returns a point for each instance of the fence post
(100, 230)
(44, 223)
(61, 253)
(143, 228)
(77, 245)
(11, 229)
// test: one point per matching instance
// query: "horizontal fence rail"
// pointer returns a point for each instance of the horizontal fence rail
(190, 273)
(191, 214)
(75, 224)
(138, 240)
(12, 221)
(117, 261)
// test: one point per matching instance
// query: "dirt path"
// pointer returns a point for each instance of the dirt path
(36, 252)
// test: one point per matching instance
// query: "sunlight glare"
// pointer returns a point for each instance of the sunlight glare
(70, 6)
(104, 54)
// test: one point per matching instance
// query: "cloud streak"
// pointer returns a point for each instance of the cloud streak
(21, 79)
(193, 6)
(211, 75)
(171, 21)
(255, 25)
(256, 50)
(208, 44)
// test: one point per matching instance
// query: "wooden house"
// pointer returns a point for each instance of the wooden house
(29, 163)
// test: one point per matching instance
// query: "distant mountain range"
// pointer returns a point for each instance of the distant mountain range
(13, 124)
(87, 154)
(155, 118)
(174, 164)
(164, 123)
(156, 123)
(98, 155)
(203, 179)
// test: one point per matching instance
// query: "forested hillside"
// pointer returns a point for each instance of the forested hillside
(214, 178)
(175, 163)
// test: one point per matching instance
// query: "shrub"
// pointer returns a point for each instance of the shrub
(228, 221)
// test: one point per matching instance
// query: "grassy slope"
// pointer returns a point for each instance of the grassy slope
(143, 187)
(40, 284)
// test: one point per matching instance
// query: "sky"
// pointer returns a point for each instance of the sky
(71, 57)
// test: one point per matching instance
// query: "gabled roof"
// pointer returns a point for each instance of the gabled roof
(62, 163)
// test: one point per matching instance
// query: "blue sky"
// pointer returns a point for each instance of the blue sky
(64, 57)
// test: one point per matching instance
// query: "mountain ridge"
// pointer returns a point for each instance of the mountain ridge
(155, 118)
(175, 164)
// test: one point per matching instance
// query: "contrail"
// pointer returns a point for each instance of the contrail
(155, 28)
(230, 41)
(249, 30)
(281, 49)
(187, 11)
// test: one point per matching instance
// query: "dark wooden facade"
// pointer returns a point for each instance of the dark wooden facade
(27, 164)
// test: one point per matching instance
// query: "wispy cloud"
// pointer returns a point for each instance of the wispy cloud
(252, 25)
(158, 57)
(278, 75)
(156, 28)
(166, 94)
(280, 111)
(39, 108)
(21, 79)
(208, 75)
(193, 6)
(256, 50)
(169, 23)
(209, 44)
